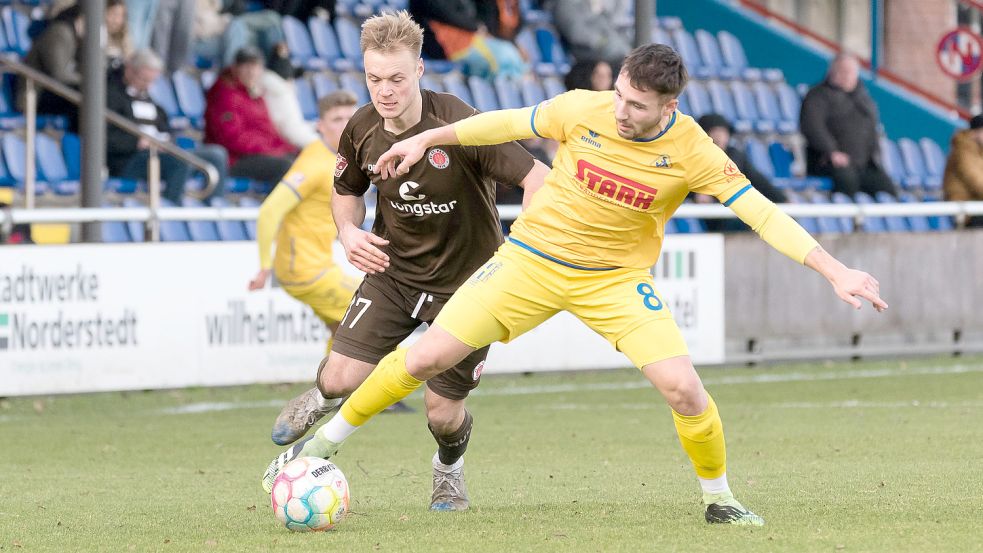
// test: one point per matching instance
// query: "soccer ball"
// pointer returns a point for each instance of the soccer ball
(310, 495)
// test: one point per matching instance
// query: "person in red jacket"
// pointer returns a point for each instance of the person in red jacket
(236, 117)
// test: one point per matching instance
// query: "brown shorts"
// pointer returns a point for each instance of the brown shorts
(383, 313)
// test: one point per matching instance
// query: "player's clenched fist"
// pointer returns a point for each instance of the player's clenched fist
(362, 250)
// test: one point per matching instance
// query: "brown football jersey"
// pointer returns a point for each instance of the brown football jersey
(440, 218)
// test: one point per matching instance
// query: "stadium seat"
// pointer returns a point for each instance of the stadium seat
(455, 85)
(190, 98)
(508, 92)
(532, 91)
(757, 155)
(894, 223)
(15, 26)
(808, 223)
(355, 82)
(137, 228)
(768, 108)
(826, 225)
(208, 78)
(162, 93)
(722, 101)
(934, 161)
(9, 117)
(710, 53)
(71, 147)
(846, 223)
(349, 36)
(114, 231)
(690, 225)
(306, 98)
(299, 43)
(173, 231)
(698, 99)
(553, 87)
(483, 94)
(14, 153)
(732, 52)
(661, 36)
(51, 166)
(914, 164)
(527, 43)
(432, 82)
(917, 223)
(247, 201)
(938, 222)
(686, 46)
(789, 102)
(747, 108)
(326, 44)
(891, 161)
(551, 49)
(324, 84)
(228, 230)
(200, 231)
(870, 224)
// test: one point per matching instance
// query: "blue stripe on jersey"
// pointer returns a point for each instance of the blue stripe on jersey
(672, 120)
(532, 122)
(555, 260)
(738, 195)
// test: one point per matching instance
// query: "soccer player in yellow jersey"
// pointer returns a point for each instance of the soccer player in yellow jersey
(297, 215)
(627, 159)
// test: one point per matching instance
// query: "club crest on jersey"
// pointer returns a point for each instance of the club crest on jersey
(476, 374)
(340, 165)
(662, 161)
(438, 158)
(613, 188)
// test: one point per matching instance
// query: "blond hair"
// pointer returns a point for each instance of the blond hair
(338, 98)
(391, 31)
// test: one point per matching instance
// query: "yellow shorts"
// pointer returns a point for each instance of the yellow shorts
(517, 290)
(329, 295)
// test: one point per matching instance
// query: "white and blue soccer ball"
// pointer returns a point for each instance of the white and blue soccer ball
(310, 495)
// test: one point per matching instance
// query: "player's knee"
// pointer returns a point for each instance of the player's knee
(686, 397)
(425, 363)
(332, 382)
(444, 417)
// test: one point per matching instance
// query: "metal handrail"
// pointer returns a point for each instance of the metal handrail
(157, 145)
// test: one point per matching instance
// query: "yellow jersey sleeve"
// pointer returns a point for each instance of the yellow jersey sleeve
(713, 173)
(773, 225)
(275, 207)
(552, 118)
(310, 170)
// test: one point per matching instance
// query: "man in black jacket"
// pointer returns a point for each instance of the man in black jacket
(839, 121)
(127, 93)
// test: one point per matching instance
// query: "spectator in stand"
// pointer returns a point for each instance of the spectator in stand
(127, 93)
(237, 118)
(720, 130)
(303, 9)
(172, 32)
(963, 178)
(590, 75)
(54, 54)
(589, 29)
(118, 43)
(502, 18)
(840, 123)
(452, 30)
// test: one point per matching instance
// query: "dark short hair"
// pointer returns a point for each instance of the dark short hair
(976, 122)
(656, 67)
(249, 54)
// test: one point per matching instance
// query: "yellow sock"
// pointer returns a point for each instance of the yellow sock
(388, 383)
(702, 437)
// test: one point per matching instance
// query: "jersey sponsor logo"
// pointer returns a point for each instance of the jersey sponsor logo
(615, 188)
(438, 158)
(340, 165)
(476, 373)
(419, 209)
(732, 172)
(406, 188)
(591, 141)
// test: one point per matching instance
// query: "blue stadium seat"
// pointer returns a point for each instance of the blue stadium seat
(790, 103)
(51, 166)
(190, 98)
(934, 161)
(136, 228)
(723, 103)
(826, 225)
(686, 46)
(891, 161)
(551, 49)
(115, 231)
(712, 57)
(247, 201)
(9, 117)
(914, 165)
(846, 223)
(870, 224)
(483, 94)
(917, 223)
(526, 41)
(324, 84)
(938, 222)
(228, 230)
(71, 147)
(732, 52)
(306, 99)
(326, 44)
(200, 231)
(208, 78)
(698, 99)
(455, 85)
(553, 86)
(670, 227)
(683, 105)
(758, 156)
(6, 180)
(15, 26)
(508, 92)
(690, 225)
(661, 36)
(355, 83)
(162, 93)
(13, 153)
(532, 91)
(747, 108)
(895, 223)
(300, 45)
(432, 82)
(768, 108)
(808, 223)
(349, 37)
(173, 231)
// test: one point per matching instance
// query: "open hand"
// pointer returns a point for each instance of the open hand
(400, 157)
(362, 250)
(851, 285)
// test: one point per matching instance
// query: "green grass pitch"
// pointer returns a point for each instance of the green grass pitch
(867, 456)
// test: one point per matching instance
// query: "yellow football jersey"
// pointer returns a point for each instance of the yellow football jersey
(607, 200)
(306, 235)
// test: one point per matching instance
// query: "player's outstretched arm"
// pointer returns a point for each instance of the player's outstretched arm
(849, 284)
(405, 153)
(361, 247)
(275, 207)
(532, 182)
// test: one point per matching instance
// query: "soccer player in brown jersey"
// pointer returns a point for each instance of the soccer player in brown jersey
(434, 227)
